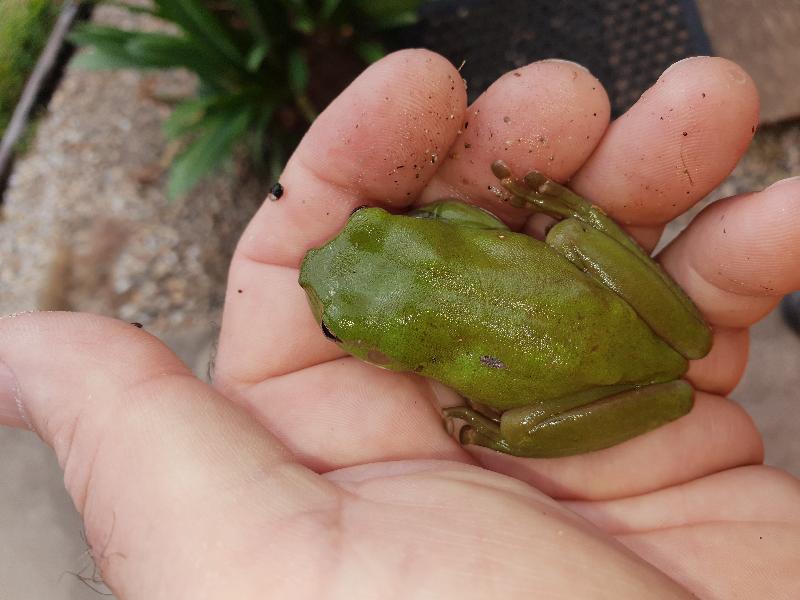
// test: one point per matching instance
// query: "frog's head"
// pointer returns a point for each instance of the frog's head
(313, 281)
(339, 277)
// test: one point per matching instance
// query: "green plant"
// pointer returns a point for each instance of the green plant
(24, 27)
(266, 67)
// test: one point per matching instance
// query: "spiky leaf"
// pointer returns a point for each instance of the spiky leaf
(206, 152)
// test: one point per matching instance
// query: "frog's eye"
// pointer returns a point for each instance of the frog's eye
(328, 333)
(358, 208)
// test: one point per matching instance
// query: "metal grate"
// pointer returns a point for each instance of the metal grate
(627, 44)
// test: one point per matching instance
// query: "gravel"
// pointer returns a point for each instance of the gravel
(86, 223)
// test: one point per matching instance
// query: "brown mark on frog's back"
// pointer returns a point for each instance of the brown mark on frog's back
(492, 362)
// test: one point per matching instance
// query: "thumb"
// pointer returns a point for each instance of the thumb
(178, 488)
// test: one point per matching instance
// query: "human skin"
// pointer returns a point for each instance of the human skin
(303, 473)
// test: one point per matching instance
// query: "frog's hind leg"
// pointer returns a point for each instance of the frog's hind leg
(592, 241)
(612, 420)
(533, 432)
(640, 283)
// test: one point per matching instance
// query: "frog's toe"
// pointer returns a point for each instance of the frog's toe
(469, 436)
(449, 424)
(479, 430)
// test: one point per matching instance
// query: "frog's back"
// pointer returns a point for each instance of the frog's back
(499, 316)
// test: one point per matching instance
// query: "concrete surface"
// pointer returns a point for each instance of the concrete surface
(770, 390)
(42, 554)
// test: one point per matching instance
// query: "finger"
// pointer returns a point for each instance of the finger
(716, 435)
(678, 142)
(716, 560)
(549, 116)
(720, 371)
(739, 256)
(754, 493)
(379, 142)
(155, 460)
(693, 530)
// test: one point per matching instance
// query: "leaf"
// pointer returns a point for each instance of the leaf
(328, 8)
(277, 158)
(396, 20)
(101, 36)
(304, 25)
(186, 117)
(139, 10)
(115, 49)
(95, 60)
(196, 20)
(109, 48)
(206, 152)
(370, 51)
(300, 6)
(257, 132)
(157, 50)
(387, 14)
(165, 51)
(256, 57)
(254, 18)
(112, 47)
(298, 72)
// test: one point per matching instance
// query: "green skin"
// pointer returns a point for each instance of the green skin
(560, 347)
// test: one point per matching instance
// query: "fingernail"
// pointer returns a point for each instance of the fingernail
(565, 62)
(681, 62)
(794, 179)
(11, 410)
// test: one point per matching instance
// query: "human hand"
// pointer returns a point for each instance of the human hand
(305, 473)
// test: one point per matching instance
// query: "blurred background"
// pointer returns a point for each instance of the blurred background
(138, 138)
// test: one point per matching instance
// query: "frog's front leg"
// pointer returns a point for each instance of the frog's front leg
(479, 431)
(534, 432)
(455, 211)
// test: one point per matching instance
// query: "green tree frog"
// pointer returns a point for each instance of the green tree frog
(558, 347)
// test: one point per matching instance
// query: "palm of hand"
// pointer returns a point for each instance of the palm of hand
(349, 486)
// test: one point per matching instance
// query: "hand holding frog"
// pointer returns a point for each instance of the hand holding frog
(307, 473)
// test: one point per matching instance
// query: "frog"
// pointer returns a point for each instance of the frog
(558, 346)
